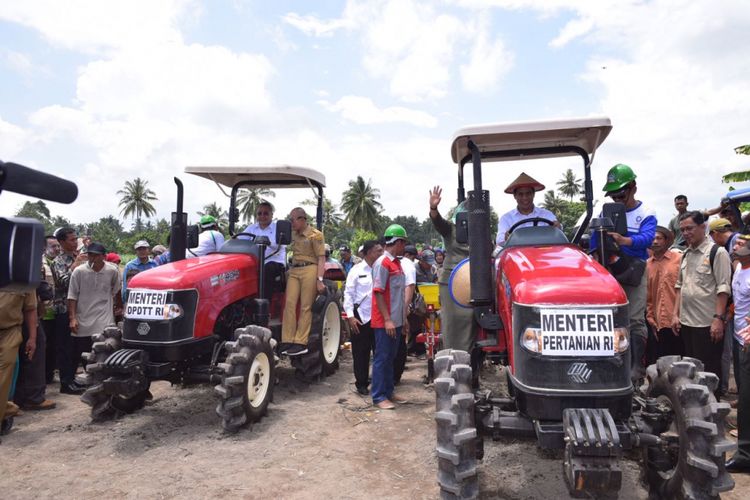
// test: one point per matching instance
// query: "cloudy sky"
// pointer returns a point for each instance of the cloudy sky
(101, 92)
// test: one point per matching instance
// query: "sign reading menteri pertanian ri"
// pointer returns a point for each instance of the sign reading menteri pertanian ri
(577, 332)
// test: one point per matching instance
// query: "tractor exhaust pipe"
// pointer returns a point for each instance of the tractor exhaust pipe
(479, 236)
(178, 234)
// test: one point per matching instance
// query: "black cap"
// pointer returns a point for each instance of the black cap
(410, 249)
(96, 248)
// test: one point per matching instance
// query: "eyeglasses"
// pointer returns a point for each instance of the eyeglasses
(619, 195)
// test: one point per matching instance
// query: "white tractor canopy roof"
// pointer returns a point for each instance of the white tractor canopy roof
(585, 133)
(272, 177)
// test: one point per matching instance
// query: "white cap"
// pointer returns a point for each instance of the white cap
(141, 244)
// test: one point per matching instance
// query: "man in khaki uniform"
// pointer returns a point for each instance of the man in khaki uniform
(305, 281)
(15, 309)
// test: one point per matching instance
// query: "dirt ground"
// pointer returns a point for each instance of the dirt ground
(318, 441)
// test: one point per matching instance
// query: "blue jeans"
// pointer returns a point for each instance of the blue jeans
(386, 348)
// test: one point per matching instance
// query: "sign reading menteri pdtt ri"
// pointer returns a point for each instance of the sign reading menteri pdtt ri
(577, 332)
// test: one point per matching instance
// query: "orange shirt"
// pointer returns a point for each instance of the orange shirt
(661, 293)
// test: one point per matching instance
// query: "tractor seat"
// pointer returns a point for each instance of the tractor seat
(240, 245)
(536, 236)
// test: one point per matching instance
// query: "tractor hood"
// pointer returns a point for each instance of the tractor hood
(551, 275)
(215, 269)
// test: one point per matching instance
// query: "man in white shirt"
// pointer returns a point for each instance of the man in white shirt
(265, 225)
(210, 239)
(522, 189)
(358, 307)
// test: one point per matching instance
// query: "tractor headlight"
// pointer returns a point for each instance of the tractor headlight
(172, 311)
(532, 339)
(622, 340)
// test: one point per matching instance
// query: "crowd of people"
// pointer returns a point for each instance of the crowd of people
(687, 284)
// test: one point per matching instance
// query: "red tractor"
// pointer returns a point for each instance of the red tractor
(209, 318)
(558, 320)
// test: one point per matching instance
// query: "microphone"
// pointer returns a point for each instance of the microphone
(29, 182)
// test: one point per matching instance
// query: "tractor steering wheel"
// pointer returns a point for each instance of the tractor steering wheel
(535, 220)
(252, 236)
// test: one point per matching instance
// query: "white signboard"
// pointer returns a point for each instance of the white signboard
(145, 304)
(577, 332)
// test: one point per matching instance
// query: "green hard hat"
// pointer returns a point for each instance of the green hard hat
(394, 232)
(207, 220)
(618, 177)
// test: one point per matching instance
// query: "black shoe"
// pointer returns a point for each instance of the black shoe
(363, 391)
(296, 350)
(72, 388)
(738, 465)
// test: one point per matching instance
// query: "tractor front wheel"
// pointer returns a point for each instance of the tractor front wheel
(690, 464)
(247, 380)
(456, 430)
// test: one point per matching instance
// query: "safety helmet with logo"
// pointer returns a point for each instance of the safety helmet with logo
(393, 233)
(618, 177)
(207, 221)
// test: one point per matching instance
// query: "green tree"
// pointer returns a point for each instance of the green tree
(360, 204)
(249, 199)
(332, 219)
(553, 203)
(743, 175)
(218, 213)
(413, 228)
(569, 185)
(359, 237)
(136, 200)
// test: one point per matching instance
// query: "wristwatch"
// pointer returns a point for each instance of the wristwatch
(722, 317)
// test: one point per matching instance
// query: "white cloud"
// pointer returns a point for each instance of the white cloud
(13, 140)
(489, 62)
(314, 26)
(363, 111)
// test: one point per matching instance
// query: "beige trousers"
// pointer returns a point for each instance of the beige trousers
(301, 287)
(10, 339)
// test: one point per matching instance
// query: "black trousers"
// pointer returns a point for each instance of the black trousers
(51, 362)
(31, 385)
(698, 345)
(363, 344)
(64, 349)
(416, 325)
(743, 405)
(667, 344)
(80, 345)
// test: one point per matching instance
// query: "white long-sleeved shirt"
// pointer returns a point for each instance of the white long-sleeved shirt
(274, 252)
(358, 290)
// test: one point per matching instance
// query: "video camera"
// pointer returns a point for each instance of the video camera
(22, 239)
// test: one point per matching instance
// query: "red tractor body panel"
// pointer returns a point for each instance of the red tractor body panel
(551, 276)
(220, 279)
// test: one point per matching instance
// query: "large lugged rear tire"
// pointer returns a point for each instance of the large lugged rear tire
(324, 342)
(103, 405)
(693, 466)
(456, 430)
(247, 381)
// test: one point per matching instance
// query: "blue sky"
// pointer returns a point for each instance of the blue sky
(101, 92)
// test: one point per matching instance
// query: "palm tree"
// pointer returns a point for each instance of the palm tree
(249, 199)
(136, 199)
(553, 203)
(217, 213)
(360, 204)
(569, 185)
(331, 216)
(743, 175)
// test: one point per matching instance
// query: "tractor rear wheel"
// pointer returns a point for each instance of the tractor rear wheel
(103, 405)
(691, 465)
(247, 381)
(456, 430)
(324, 341)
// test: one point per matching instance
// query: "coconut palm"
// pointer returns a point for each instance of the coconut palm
(331, 217)
(569, 185)
(136, 200)
(554, 204)
(360, 204)
(249, 199)
(743, 175)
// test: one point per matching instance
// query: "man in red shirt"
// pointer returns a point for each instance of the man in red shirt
(388, 315)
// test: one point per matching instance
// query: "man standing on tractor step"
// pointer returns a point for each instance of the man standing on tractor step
(305, 282)
(358, 307)
(522, 189)
(388, 316)
(641, 229)
(703, 289)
